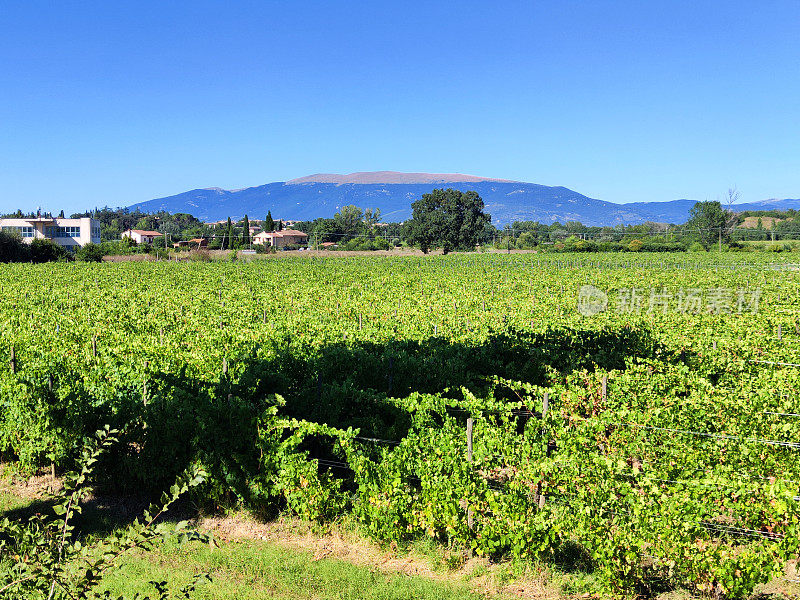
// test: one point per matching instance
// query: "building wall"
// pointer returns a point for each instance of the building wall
(279, 240)
(288, 240)
(138, 237)
(69, 233)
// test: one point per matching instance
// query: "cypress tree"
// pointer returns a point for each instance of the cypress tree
(226, 241)
(246, 232)
(280, 224)
(269, 222)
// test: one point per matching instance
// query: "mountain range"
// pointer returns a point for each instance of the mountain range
(323, 194)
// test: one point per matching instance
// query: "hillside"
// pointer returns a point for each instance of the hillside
(322, 195)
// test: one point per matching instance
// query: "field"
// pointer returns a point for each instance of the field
(462, 398)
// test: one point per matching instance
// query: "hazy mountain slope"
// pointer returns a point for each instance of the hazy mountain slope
(322, 195)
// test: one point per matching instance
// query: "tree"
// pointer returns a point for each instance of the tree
(372, 218)
(269, 222)
(227, 235)
(349, 222)
(448, 218)
(711, 222)
(280, 225)
(246, 232)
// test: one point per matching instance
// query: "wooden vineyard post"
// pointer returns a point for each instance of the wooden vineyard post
(469, 460)
(359, 322)
(50, 394)
(13, 361)
(144, 385)
(714, 345)
(780, 332)
(224, 366)
(545, 407)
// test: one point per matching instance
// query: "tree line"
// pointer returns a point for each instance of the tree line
(444, 219)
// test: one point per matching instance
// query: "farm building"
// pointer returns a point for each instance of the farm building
(281, 239)
(141, 236)
(195, 243)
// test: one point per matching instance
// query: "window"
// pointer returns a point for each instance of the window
(62, 232)
(26, 232)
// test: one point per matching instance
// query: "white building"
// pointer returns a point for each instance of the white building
(279, 239)
(140, 236)
(69, 233)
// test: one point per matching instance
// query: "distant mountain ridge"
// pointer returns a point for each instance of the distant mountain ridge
(392, 177)
(323, 194)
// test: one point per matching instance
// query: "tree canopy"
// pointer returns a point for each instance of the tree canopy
(711, 221)
(450, 219)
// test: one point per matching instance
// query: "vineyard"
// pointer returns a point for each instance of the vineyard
(463, 398)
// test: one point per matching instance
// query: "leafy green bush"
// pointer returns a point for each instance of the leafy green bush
(43, 251)
(90, 253)
(12, 248)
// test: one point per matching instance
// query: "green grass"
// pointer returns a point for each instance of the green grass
(250, 570)
(9, 502)
(254, 570)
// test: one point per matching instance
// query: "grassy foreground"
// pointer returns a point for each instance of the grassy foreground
(253, 570)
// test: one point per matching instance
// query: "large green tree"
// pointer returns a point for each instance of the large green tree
(269, 222)
(709, 222)
(450, 219)
(349, 222)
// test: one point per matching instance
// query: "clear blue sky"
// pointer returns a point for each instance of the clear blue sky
(111, 103)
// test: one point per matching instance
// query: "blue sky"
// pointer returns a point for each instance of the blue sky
(112, 103)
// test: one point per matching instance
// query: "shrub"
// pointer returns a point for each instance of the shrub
(90, 253)
(47, 251)
(159, 253)
(200, 255)
(635, 245)
(12, 248)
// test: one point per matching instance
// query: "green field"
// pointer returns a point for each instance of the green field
(667, 457)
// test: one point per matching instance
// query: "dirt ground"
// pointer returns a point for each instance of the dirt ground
(224, 254)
